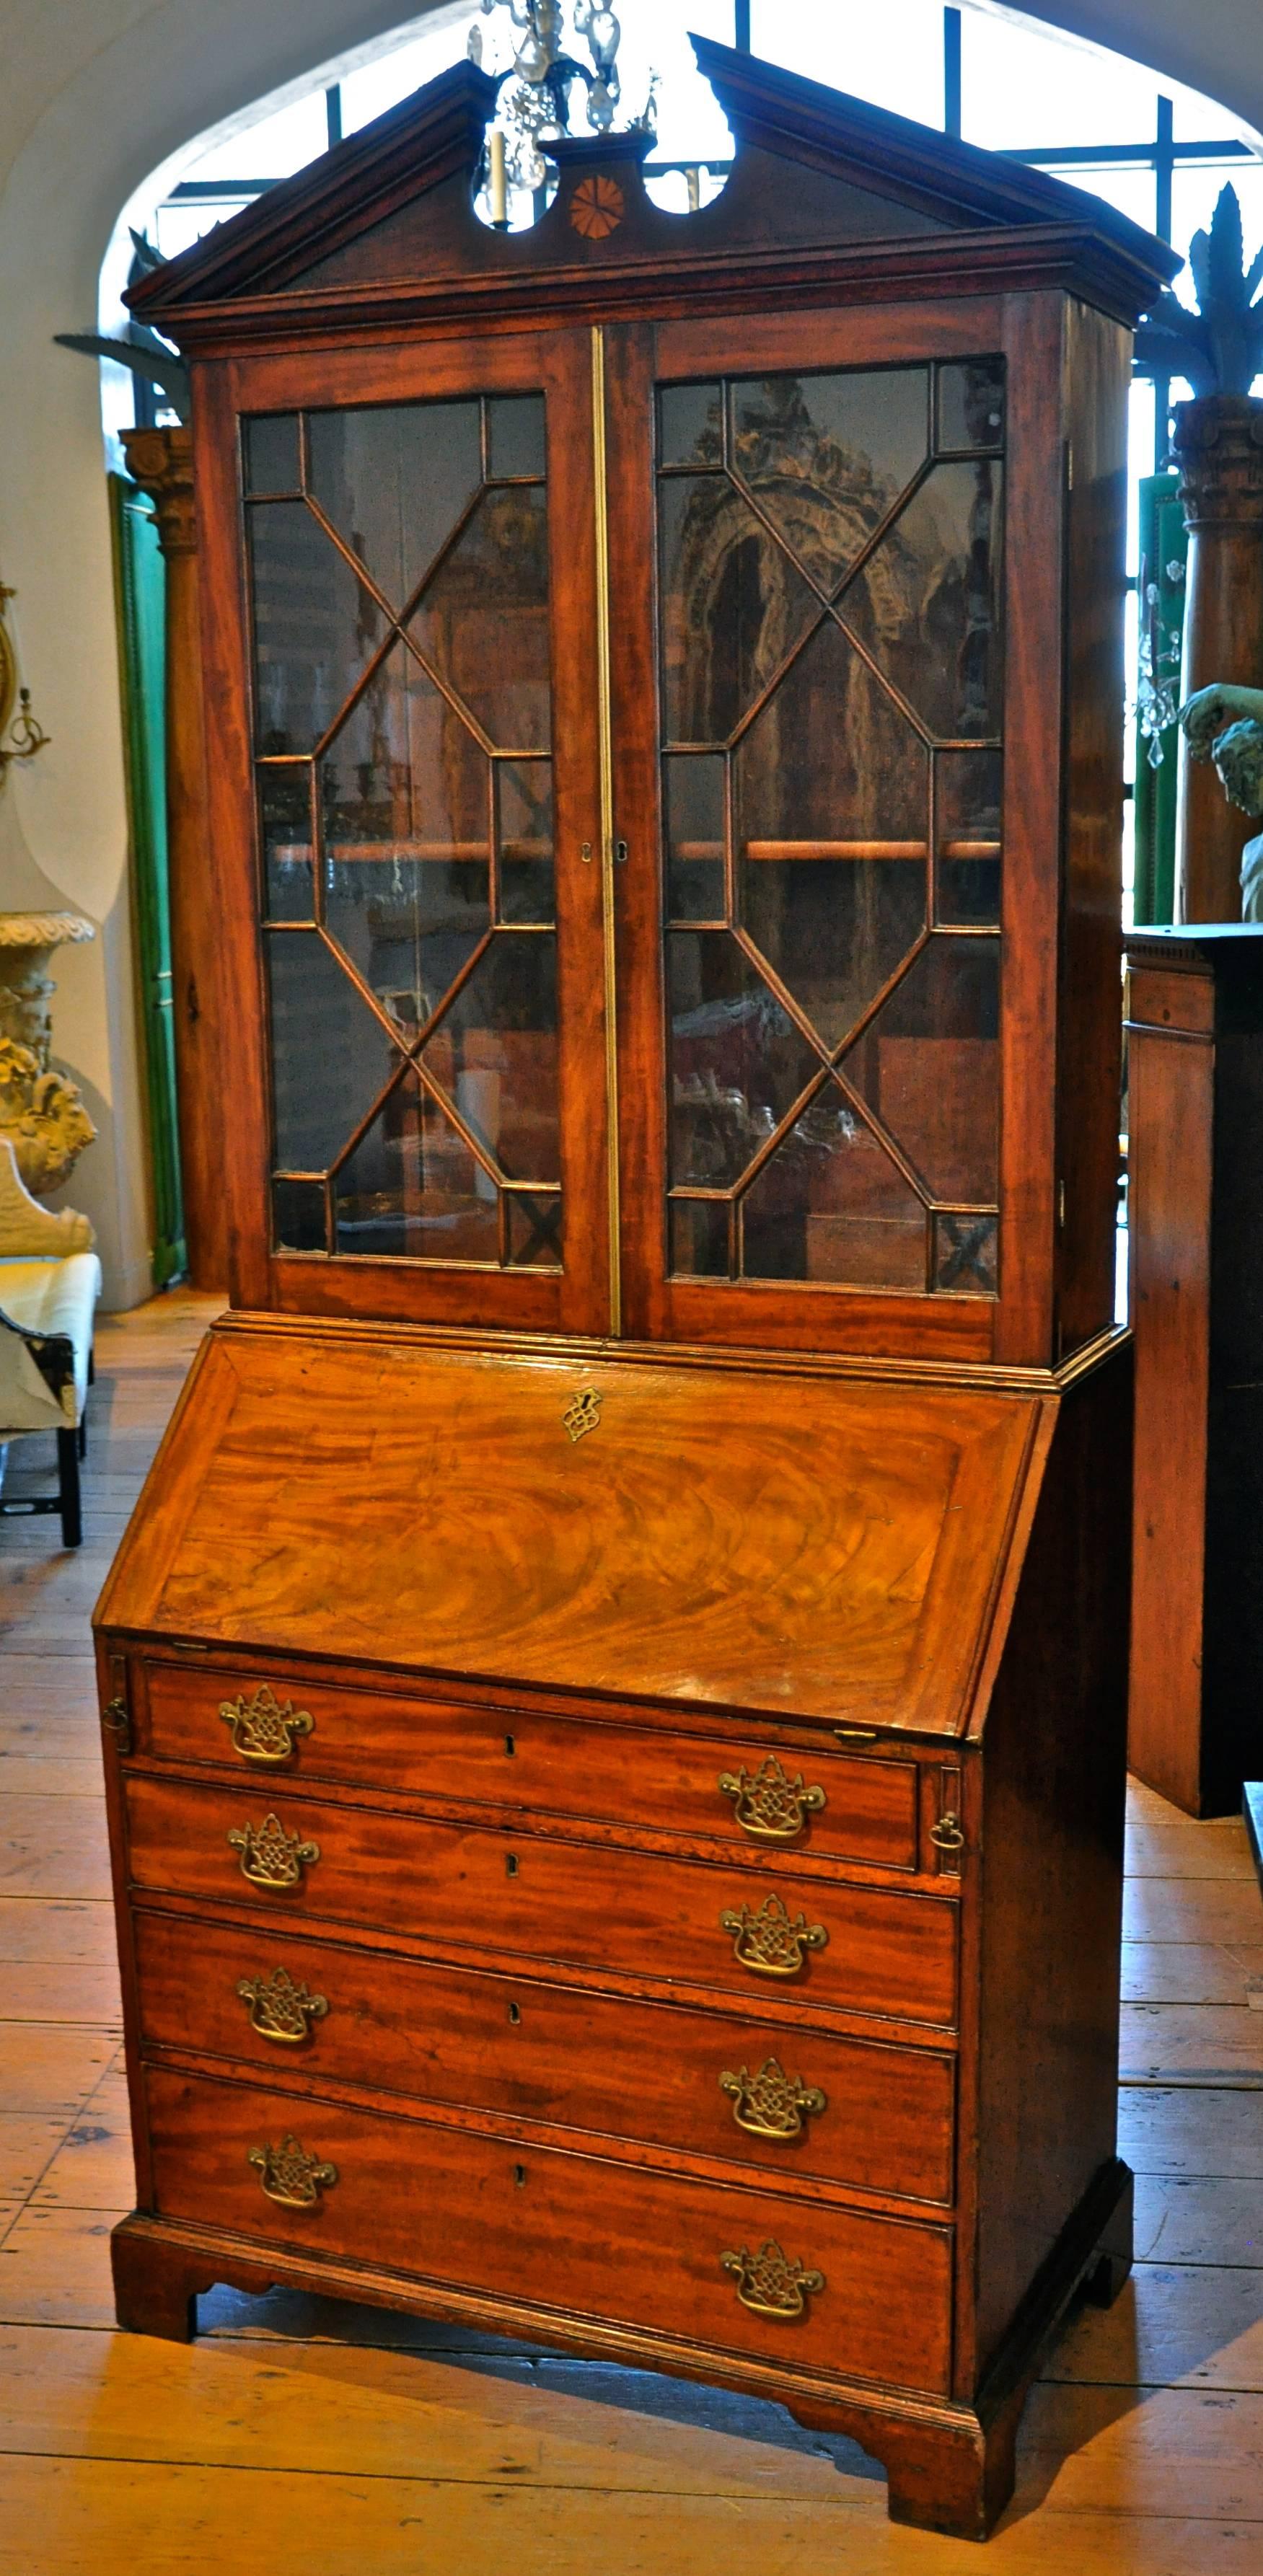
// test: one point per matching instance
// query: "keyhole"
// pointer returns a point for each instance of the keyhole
(510, 1745)
(519, 2175)
(515, 2012)
(510, 1864)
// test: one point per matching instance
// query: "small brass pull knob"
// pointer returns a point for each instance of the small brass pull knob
(771, 2282)
(768, 1941)
(769, 1806)
(281, 2007)
(271, 1857)
(263, 1730)
(948, 1835)
(771, 2104)
(289, 2175)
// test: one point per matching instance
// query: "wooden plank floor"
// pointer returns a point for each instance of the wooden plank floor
(302, 2438)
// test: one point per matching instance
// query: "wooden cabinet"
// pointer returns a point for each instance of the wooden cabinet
(1195, 1051)
(615, 1690)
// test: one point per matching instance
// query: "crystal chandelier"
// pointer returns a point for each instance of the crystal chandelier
(534, 93)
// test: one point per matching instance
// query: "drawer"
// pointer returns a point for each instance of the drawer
(570, 2232)
(863, 1949)
(641, 2071)
(848, 1807)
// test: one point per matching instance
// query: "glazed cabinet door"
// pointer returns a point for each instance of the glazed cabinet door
(399, 548)
(810, 787)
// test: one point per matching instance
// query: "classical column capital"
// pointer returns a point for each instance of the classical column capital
(161, 461)
(1218, 443)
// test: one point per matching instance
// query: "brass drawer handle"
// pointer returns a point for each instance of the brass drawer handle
(771, 2104)
(768, 1942)
(948, 1835)
(281, 2008)
(771, 2282)
(271, 1857)
(262, 1730)
(770, 1806)
(289, 2175)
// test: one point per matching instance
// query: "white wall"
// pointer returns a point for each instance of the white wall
(93, 95)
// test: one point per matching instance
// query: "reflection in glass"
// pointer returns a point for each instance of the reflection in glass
(968, 788)
(693, 810)
(827, 456)
(971, 404)
(534, 1224)
(405, 792)
(394, 481)
(515, 425)
(524, 791)
(965, 1253)
(285, 829)
(319, 1020)
(494, 1054)
(831, 1205)
(412, 1187)
(928, 1065)
(298, 1216)
(482, 621)
(927, 602)
(314, 626)
(738, 1063)
(690, 425)
(830, 798)
(699, 1238)
(732, 607)
(270, 446)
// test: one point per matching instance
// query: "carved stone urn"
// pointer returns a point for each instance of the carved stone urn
(41, 1112)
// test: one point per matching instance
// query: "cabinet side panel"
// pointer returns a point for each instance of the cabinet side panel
(1053, 1799)
(1171, 1079)
(1232, 1735)
(1099, 355)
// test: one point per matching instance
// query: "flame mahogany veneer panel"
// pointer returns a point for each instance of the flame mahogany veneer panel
(825, 1547)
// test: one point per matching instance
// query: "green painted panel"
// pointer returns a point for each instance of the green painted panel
(1160, 602)
(140, 584)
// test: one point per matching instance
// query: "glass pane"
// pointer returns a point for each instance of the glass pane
(733, 605)
(830, 812)
(406, 804)
(516, 432)
(394, 482)
(830, 1205)
(927, 602)
(298, 1216)
(495, 1054)
(534, 1226)
(971, 404)
(271, 454)
(699, 1237)
(315, 626)
(690, 425)
(829, 455)
(525, 802)
(412, 1188)
(330, 1055)
(482, 621)
(928, 1065)
(285, 825)
(969, 786)
(965, 1254)
(693, 807)
(738, 1063)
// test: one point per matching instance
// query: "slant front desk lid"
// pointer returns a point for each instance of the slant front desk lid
(827, 1545)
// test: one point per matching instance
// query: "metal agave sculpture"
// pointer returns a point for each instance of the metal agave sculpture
(1218, 348)
(141, 350)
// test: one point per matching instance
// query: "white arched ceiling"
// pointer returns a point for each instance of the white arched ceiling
(95, 94)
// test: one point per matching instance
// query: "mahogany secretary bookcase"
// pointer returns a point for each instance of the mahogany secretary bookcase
(615, 1689)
